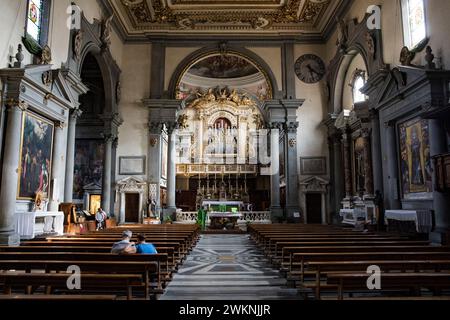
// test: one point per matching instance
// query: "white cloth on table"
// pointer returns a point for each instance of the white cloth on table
(422, 218)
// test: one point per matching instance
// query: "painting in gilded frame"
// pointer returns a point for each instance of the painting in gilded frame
(415, 159)
(35, 157)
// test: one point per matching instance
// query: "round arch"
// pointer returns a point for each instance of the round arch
(194, 57)
(360, 40)
(109, 80)
(341, 74)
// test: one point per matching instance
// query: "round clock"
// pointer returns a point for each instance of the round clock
(309, 68)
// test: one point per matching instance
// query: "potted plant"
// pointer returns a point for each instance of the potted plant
(168, 220)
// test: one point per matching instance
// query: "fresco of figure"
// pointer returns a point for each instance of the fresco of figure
(416, 161)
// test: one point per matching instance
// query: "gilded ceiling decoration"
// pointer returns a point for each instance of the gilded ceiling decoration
(139, 16)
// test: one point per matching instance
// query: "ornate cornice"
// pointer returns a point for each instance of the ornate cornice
(138, 19)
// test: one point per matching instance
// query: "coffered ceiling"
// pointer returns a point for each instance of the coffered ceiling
(147, 18)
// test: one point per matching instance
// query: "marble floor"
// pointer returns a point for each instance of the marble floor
(227, 267)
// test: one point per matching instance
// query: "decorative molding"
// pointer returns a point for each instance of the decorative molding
(137, 163)
(316, 166)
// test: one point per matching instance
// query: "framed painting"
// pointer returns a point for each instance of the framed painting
(88, 166)
(35, 157)
(313, 166)
(132, 165)
(415, 159)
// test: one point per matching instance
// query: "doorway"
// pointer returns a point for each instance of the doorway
(95, 202)
(132, 207)
(314, 208)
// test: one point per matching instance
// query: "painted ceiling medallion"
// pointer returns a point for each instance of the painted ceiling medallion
(222, 15)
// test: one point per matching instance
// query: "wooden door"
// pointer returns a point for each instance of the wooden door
(314, 208)
(132, 208)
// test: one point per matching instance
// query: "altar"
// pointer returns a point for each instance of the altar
(32, 224)
(224, 220)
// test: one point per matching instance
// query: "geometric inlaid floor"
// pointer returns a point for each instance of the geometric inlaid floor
(227, 267)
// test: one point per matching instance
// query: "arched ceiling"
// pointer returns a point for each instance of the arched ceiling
(146, 18)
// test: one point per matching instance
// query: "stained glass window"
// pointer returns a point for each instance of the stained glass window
(414, 22)
(34, 19)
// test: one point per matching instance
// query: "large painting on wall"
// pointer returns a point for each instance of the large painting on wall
(88, 167)
(415, 160)
(35, 157)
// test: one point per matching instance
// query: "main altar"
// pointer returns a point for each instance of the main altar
(217, 157)
(223, 214)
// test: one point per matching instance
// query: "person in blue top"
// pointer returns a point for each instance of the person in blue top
(144, 247)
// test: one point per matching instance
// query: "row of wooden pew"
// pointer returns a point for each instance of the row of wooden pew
(42, 268)
(320, 259)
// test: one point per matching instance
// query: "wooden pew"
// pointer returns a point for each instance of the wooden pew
(323, 268)
(390, 281)
(303, 258)
(53, 281)
(106, 259)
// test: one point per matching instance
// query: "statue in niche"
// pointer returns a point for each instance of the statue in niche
(342, 35)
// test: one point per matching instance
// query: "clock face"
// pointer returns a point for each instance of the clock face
(310, 68)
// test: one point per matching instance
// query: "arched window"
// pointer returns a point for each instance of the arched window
(358, 82)
(37, 22)
(414, 23)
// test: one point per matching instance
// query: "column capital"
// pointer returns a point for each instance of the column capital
(155, 127)
(60, 125)
(12, 104)
(366, 132)
(108, 137)
(276, 125)
(115, 143)
(389, 124)
(292, 127)
(76, 114)
(171, 127)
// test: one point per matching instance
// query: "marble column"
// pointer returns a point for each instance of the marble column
(57, 166)
(275, 207)
(171, 170)
(377, 169)
(154, 163)
(122, 208)
(106, 185)
(441, 201)
(292, 194)
(10, 170)
(338, 166)
(392, 194)
(346, 141)
(71, 135)
(368, 175)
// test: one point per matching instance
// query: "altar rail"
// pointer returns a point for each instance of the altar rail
(258, 217)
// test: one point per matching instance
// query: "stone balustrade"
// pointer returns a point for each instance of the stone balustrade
(250, 217)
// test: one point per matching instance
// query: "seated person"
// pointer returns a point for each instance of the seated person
(144, 247)
(124, 246)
